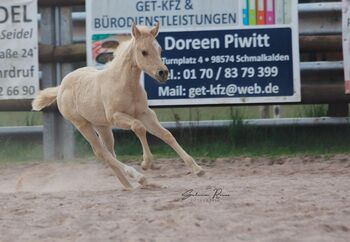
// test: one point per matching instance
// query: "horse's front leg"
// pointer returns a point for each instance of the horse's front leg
(125, 121)
(150, 120)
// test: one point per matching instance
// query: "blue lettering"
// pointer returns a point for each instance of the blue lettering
(146, 6)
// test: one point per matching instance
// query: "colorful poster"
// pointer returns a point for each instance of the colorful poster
(217, 52)
(19, 65)
(346, 44)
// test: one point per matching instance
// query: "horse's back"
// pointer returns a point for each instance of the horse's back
(78, 75)
(79, 80)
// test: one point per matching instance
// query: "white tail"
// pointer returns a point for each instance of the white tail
(45, 98)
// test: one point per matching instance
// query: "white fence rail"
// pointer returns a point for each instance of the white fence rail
(325, 121)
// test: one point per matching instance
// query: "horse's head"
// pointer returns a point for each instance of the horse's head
(147, 52)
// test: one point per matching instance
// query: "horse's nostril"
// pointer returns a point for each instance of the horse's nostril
(163, 74)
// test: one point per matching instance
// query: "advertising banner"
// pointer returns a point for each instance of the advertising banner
(19, 65)
(346, 44)
(217, 52)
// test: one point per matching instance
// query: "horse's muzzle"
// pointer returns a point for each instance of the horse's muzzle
(162, 75)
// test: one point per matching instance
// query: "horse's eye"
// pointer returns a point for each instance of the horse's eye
(144, 53)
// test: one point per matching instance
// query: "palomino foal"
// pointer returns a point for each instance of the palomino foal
(95, 101)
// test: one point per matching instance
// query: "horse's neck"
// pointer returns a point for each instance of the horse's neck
(124, 69)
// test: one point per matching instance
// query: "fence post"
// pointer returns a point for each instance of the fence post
(265, 111)
(57, 141)
(47, 28)
(64, 29)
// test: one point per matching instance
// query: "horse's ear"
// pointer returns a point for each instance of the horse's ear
(155, 30)
(135, 31)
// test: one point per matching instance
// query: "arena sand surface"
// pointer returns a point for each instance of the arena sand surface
(262, 199)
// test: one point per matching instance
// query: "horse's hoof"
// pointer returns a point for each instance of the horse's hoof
(145, 165)
(155, 167)
(199, 171)
(152, 186)
(142, 181)
(128, 189)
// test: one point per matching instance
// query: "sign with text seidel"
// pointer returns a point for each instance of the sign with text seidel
(19, 64)
(217, 52)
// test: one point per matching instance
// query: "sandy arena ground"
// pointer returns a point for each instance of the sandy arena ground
(260, 199)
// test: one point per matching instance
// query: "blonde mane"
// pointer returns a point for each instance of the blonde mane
(125, 43)
(119, 52)
(122, 47)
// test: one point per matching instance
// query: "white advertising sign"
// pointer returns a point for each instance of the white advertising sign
(217, 52)
(346, 44)
(18, 49)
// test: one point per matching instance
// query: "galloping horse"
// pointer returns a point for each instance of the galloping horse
(95, 101)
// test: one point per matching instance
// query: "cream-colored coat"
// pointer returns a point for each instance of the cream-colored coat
(95, 101)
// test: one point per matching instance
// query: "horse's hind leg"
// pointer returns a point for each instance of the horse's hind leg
(67, 108)
(87, 130)
(106, 137)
